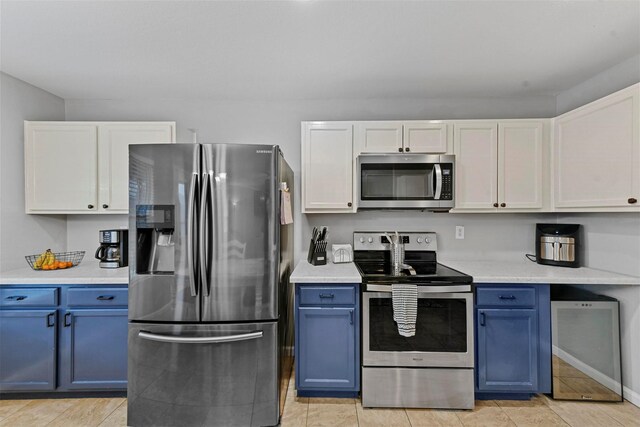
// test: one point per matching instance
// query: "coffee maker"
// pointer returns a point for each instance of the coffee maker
(113, 251)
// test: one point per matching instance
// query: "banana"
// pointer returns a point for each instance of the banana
(50, 257)
(41, 259)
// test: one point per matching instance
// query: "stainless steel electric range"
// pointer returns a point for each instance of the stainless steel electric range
(434, 368)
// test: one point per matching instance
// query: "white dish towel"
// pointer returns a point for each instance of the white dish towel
(405, 308)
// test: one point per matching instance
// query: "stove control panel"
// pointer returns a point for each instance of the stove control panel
(378, 241)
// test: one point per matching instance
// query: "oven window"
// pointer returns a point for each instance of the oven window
(441, 326)
(396, 181)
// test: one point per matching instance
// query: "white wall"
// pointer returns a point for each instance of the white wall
(611, 80)
(22, 234)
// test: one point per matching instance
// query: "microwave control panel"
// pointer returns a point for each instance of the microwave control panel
(447, 181)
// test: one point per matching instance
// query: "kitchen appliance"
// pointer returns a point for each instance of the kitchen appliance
(405, 181)
(209, 293)
(434, 368)
(113, 251)
(585, 336)
(558, 244)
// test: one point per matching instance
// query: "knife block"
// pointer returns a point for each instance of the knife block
(317, 253)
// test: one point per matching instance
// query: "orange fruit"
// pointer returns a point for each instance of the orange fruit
(69, 264)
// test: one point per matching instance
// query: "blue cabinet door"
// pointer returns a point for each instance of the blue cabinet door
(507, 350)
(326, 348)
(93, 349)
(27, 350)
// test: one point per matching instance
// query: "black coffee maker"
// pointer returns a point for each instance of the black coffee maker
(559, 244)
(113, 251)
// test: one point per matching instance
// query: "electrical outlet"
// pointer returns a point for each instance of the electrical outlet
(459, 231)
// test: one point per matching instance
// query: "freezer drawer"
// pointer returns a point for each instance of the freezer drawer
(203, 374)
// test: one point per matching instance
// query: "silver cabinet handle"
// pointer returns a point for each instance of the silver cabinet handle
(199, 340)
(438, 190)
(193, 188)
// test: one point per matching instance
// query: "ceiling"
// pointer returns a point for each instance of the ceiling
(313, 49)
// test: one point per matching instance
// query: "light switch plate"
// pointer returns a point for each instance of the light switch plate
(459, 231)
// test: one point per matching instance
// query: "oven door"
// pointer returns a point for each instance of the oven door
(395, 181)
(444, 330)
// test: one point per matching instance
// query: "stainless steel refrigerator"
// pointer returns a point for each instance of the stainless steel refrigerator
(209, 294)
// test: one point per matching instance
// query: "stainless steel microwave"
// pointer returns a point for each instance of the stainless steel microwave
(405, 181)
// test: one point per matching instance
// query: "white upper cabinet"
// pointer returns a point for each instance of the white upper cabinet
(113, 151)
(475, 145)
(500, 166)
(596, 154)
(83, 167)
(415, 136)
(379, 137)
(425, 137)
(520, 165)
(60, 167)
(327, 167)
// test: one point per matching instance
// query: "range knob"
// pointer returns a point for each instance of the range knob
(370, 240)
(362, 240)
(419, 240)
(426, 241)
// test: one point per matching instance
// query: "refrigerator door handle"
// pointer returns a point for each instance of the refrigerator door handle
(199, 340)
(191, 221)
(205, 230)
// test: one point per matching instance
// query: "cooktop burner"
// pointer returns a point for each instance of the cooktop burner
(373, 259)
(381, 273)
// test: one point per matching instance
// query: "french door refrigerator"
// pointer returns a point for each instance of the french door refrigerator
(209, 295)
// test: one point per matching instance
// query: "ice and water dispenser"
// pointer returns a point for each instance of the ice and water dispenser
(155, 246)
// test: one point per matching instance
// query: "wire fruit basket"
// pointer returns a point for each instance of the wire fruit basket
(54, 260)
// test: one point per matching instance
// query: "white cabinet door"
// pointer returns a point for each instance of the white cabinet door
(597, 153)
(520, 165)
(475, 148)
(61, 167)
(425, 137)
(379, 137)
(113, 167)
(327, 167)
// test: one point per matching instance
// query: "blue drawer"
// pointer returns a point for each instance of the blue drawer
(505, 296)
(327, 295)
(97, 297)
(28, 297)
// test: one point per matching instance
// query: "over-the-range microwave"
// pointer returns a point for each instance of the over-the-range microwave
(405, 181)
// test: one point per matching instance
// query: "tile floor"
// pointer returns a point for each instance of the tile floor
(540, 411)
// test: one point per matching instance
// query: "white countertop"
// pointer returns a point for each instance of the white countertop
(525, 271)
(88, 272)
(329, 273)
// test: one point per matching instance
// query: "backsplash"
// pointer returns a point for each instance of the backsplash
(82, 231)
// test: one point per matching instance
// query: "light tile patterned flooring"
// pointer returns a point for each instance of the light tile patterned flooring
(540, 411)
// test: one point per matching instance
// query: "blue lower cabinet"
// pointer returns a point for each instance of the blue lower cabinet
(93, 349)
(27, 350)
(63, 338)
(508, 346)
(327, 343)
(513, 346)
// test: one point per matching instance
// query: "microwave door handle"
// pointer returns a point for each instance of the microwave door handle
(438, 189)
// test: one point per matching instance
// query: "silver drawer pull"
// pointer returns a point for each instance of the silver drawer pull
(507, 297)
(199, 340)
(16, 297)
(105, 298)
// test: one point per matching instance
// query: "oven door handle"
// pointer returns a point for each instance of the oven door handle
(424, 289)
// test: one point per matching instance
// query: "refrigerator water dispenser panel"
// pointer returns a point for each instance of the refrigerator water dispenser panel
(155, 246)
